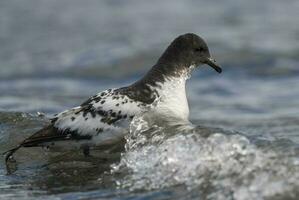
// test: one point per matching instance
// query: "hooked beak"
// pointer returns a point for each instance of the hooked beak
(212, 63)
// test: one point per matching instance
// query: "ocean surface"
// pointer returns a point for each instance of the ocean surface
(244, 142)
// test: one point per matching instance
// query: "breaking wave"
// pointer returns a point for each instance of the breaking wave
(214, 162)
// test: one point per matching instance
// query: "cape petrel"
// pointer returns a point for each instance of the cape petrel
(104, 118)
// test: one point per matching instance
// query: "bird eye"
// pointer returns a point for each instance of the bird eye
(201, 49)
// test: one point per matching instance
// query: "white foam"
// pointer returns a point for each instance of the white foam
(229, 164)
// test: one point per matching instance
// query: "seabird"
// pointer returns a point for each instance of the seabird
(105, 117)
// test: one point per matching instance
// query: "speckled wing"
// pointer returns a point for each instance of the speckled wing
(102, 119)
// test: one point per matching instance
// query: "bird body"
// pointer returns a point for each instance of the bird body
(101, 120)
(105, 117)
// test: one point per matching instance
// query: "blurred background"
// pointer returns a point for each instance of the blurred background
(55, 54)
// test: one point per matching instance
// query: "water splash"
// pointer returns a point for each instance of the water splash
(229, 165)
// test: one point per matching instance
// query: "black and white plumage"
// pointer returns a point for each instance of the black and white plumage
(104, 118)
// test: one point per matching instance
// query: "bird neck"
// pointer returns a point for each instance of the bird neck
(169, 90)
(161, 73)
(165, 86)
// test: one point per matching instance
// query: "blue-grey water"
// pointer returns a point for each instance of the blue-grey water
(245, 143)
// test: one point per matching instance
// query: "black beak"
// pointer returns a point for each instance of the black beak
(212, 63)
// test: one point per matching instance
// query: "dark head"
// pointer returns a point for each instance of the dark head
(188, 50)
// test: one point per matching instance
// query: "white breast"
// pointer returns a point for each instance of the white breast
(173, 101)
